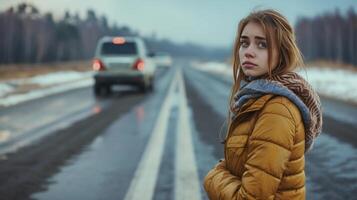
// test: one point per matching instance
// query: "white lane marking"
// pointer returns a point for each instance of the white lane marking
(187, 185)
(143, 184)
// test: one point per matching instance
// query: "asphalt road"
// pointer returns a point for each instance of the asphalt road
(148, 146)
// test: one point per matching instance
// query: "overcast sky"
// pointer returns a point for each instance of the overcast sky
(206, 22)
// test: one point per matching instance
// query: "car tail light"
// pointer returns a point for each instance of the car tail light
(118, 40)
(139, 64)
(98, 65)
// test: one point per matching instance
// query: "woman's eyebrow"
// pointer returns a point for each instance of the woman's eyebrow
(244, 37)
(260, 38)
(256, 37)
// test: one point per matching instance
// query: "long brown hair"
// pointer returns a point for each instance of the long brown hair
(277, 30)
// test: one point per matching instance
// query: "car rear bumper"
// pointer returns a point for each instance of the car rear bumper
(132, 79)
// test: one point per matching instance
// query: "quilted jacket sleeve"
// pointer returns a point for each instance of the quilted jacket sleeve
(218, 179)
(269, 149)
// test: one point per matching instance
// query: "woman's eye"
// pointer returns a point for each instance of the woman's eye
(262, 45)
(244, 44)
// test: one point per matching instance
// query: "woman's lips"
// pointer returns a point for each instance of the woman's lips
(248, 65)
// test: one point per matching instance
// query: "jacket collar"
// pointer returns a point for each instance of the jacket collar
(255, 104)
(255, 94)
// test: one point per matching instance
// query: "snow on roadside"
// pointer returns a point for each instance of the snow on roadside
(59, 77)
(61, 81)
(5, 88)
(335, 83)
(18, 98)
(213, 67)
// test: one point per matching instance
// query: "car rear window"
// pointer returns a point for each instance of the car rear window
(128, 48)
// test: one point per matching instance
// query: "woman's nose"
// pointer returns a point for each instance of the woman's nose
(249, 52)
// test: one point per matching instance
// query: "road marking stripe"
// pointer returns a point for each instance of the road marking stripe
(187, 185)
(143, 184)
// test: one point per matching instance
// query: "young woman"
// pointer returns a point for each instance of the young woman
(275, 116)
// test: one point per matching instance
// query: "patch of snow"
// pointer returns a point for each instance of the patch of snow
(59, 77)
(18, 98)
(5, 88)
(336, 83)
(61, 81)
(213, 67)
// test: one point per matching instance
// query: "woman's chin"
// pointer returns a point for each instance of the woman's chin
(250, 73)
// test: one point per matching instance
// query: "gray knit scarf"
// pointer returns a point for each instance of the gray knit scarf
(297, 90)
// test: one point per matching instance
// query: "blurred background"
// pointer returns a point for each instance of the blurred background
(56, 120)
(48, 31)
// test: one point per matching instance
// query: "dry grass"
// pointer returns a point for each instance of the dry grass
(14, 71)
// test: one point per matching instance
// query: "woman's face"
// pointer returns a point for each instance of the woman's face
(253, 51)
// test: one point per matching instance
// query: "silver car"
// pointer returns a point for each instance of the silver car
(122, 61)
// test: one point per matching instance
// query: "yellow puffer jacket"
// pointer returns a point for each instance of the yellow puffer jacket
(264, 153)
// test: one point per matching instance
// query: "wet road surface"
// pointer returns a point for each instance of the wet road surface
(152, 146)
(331, 167)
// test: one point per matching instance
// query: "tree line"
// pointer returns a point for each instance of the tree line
(27, 36)
(330, 36)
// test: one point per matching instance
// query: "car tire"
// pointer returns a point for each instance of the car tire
(143, 88)
(152, 84)
(97, 89)
(108, 90)
(102, 90)
(147, 87)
